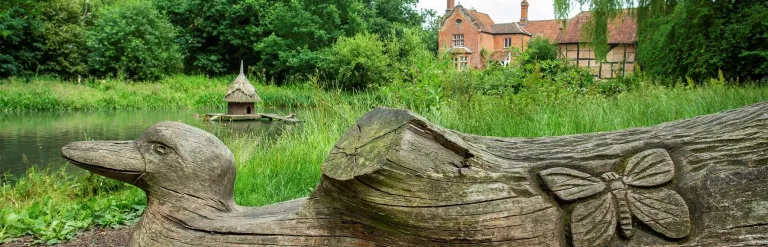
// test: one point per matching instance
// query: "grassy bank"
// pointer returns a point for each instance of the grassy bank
(177, 92)
(52, 207)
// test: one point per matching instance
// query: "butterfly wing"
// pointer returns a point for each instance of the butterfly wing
(593, 222)
(649, 168)
(569, 184)
(662, 209)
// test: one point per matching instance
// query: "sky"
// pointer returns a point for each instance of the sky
(501, 11)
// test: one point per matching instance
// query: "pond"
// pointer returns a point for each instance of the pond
(35, 139)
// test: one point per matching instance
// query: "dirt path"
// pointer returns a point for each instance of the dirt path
(96, 237)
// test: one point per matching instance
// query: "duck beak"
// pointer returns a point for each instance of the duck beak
(117, 160)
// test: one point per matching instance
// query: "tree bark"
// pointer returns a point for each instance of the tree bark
(395, 179)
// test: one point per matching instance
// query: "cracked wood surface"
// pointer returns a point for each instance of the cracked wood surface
(395, 179)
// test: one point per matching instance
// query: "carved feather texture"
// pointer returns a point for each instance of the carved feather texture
(569, 184)
(662, 209)
(649, 168)
(593, 222)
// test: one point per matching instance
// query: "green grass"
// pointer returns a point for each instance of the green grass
(177, 92)
(52, 207)
(288, 167)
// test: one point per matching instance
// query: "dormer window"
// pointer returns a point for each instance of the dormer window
(458, 21)
(458, 40)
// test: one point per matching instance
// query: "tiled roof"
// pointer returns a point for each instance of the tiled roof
(508, 28)
(485, 21)
(621, 30)
(549, 29)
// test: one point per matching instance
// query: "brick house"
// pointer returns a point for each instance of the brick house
(474, 39)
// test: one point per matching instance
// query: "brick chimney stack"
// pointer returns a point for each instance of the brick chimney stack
(524, 13)
(451, 5)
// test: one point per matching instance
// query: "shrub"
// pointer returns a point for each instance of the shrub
(409, 54)
(540, 49)
(133, 40)
(356, 63)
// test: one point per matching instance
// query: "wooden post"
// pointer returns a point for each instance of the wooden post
(578, 54)
(395, 179)
(624, 64)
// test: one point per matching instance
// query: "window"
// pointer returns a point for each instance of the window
(461, 62)
(458, 40)
(507, 42)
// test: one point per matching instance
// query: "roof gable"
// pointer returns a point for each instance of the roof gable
(484, 23)
(481, 21)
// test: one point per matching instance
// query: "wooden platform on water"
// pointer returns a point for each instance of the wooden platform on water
(252, 117)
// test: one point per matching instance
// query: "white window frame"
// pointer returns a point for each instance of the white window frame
(507, 42)
(461, 62)
(458, 40)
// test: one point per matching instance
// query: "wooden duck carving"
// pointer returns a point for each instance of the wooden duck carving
(394, 179)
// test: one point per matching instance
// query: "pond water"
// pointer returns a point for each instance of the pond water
(35, 139)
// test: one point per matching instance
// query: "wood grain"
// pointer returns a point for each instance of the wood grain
(395, 179)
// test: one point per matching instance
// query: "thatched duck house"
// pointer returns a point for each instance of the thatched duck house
(241, 96)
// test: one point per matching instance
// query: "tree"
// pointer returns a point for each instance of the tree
(283, 38)
(701, 38)
(21, 38)
(605, 10)
(687, 38)
(134, 40)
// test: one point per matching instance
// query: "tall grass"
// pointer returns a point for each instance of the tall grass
(177, 92)
(288, 167)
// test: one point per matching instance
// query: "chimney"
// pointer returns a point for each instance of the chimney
(451, 5)
(524, 13)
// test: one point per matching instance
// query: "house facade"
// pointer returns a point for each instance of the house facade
(473, 39)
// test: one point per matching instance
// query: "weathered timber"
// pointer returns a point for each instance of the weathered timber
(394, 179)
(291, 118)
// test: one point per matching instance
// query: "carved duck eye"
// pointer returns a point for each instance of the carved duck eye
(160, 149)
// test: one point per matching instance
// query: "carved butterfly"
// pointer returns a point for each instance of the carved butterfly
(593, 221)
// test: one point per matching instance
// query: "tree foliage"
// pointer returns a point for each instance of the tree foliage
(700, 38)
(22, 40)
(357, 62)
(133, 40)
(687, 38)
(285, 38)
(280, 39)
(539, 49)
(603, 11)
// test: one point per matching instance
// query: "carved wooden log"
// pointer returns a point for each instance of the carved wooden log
(395, 179)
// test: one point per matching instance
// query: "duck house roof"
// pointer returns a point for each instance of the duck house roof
(241, 90)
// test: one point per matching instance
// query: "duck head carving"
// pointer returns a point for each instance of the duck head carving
(170, 160)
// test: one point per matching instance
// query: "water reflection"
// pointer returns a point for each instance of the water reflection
(35, 139)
